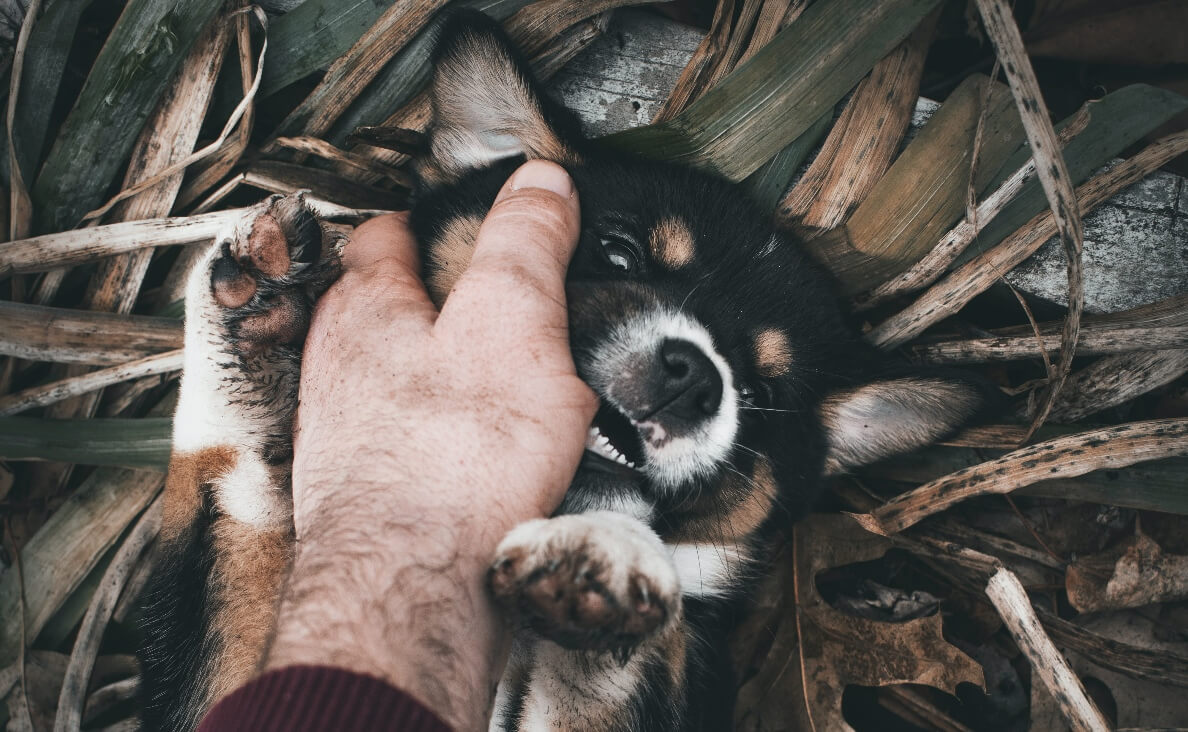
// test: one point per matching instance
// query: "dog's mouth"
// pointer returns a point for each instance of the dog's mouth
(614, 437)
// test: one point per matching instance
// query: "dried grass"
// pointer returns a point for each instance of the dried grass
(754, 100)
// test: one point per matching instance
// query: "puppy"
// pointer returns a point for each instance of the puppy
(730, 387)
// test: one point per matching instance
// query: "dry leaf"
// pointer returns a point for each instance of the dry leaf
(1134, 574)
(838, 649)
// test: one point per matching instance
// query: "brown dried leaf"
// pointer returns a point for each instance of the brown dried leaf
(800, 685)
(1137, 573)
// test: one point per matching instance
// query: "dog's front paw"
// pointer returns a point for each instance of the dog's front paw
(596, 581)
(266, 275)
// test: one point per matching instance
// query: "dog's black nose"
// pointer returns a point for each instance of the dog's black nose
(689, 383)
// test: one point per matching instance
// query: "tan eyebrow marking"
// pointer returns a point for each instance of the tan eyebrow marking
(672, 243)
(772, 352)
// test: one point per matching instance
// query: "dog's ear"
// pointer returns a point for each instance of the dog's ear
(486, 104)
(867, 423)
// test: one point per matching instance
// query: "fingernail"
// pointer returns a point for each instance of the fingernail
(543, 174)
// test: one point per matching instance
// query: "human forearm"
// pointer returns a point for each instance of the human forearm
(409, 607)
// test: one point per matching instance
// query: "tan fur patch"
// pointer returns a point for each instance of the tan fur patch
(672, 243)
(483, 112)
(188, 472)
(451, 256)
(885, 418)
(245, 581)
(740, 507)
(773, 355)
(674, 648)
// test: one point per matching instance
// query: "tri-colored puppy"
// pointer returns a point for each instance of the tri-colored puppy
(730, 388)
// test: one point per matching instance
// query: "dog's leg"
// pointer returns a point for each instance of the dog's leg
(608, 643)
(227, 526)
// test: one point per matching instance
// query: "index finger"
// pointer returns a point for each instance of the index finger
(381, 262)
(517, 271)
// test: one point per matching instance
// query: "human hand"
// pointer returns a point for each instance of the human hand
(423, 438)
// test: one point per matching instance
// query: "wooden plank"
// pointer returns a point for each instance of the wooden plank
(783, 89)
(137, 63)
(39, 333)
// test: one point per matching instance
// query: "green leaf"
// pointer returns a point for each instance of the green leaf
(130, 443)
(139, 59)
(769, 183)
(405, 74)
(778, 94)
(67, 547)
(49, 45)
(1117, 121)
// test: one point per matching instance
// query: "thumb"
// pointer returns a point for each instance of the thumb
(522, 252)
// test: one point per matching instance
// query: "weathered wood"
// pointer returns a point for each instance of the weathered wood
(1094, 341)
(954, 242)
(1117, 121)
(1014, 607)
(61, 335)
(137, 63)
(1073, 455)
(1133, 254)
(954, 291)
(69, 248)
(864, 140)
(1053, 176)
(41, 395)
(798, 76)
(1116, 380)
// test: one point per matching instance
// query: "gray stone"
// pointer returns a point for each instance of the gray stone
(1136, 251)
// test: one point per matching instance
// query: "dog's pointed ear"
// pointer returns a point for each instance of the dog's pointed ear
(486, 104)
(867, 423)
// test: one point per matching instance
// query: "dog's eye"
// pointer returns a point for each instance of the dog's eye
(619, 254)
(754, 396)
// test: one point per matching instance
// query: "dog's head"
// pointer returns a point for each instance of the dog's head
(722, 362)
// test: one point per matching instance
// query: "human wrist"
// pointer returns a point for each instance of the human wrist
(397, 598)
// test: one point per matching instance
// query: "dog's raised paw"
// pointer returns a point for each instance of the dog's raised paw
(266, 274)
(595, 581)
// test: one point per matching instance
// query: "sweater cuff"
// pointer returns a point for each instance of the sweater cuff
(316, 698)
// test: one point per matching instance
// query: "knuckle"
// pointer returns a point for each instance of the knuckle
(533, 213)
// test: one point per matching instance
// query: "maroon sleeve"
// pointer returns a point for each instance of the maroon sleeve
(314, 698)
